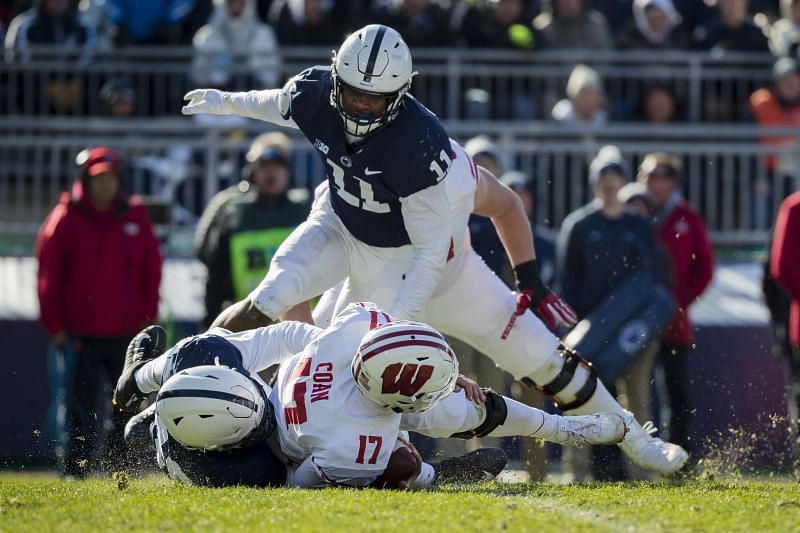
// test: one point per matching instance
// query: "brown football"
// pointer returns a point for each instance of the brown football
(401, 465)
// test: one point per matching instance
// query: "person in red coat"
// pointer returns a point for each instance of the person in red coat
(683, 233)
(785, 269)
(98, 281)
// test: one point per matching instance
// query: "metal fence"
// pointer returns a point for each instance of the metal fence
(519, 85)
(184, 164)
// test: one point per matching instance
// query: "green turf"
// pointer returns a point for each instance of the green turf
(47, 504)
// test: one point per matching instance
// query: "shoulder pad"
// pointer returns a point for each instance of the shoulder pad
(296, 85)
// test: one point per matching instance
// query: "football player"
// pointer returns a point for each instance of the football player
(472, 304)
(385, 156)
(335, 415)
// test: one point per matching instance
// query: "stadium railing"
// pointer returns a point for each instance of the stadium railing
(511, 85)
(183, 162)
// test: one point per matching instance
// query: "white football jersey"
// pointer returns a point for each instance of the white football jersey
(323, 420)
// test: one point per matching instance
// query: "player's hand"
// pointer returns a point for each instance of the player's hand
(408, 483)
(203, 101)
(549, 307)
(471, 389)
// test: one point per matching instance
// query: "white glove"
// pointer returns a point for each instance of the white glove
(204, 101)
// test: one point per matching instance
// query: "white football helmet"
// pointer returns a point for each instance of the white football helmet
(214, 408)
(405, 366)
(373, 60)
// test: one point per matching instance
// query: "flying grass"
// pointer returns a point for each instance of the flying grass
(29, 503)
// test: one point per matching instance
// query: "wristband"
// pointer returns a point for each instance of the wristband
(527, 276)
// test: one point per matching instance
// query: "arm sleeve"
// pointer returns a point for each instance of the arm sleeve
(270, 105)
(422, 212)
(270, 345)
(785, 262)
(49, 278)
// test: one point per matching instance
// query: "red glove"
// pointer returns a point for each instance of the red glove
(549, 307)
(545, 304)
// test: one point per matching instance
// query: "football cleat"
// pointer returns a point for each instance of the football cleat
(145, 346)
(600, 428)
(649, 452)
(475, 467)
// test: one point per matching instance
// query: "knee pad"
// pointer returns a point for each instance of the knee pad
(566, 378)
(496, 413)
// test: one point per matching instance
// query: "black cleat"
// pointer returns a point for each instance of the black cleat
(475, 467)
(145, 346)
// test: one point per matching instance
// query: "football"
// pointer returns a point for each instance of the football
(401, 465)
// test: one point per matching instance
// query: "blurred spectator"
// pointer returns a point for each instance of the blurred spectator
(784, 37)
(694, 12)
(785, 269)
(635, 196)
(657, 104)
(93, 14)
(570, 24)
(484, 237)
(732, 30)
(306, 23)
(496, 24)
(243, 226)
(54, 24)
(656, 25)
(98, 281)
(148, 21)
(585, 99)
(420, 22)
(118, 98)
(777, 106)
(616, 12)
(598, 247)
(234, 36)
(682, 231)
(543, 244)
(49, 23)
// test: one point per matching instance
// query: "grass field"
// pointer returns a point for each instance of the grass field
(30, 503)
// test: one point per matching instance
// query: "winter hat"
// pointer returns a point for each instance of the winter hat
(581, 78)
(608, 158)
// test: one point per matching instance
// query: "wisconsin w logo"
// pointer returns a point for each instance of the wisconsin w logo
(407, 379)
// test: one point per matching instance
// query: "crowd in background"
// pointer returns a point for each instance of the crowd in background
(753, 25)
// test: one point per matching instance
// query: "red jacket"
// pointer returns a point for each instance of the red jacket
(684, 235)
(99, 271)
(785, 260)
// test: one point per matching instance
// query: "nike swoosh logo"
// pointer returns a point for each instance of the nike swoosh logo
(369, 172)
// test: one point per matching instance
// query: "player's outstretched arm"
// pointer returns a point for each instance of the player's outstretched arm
(495, 200)
(270, 105)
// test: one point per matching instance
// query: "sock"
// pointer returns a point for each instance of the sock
(425, 478)
(601, 401)
(526, 421)
(148, 377)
